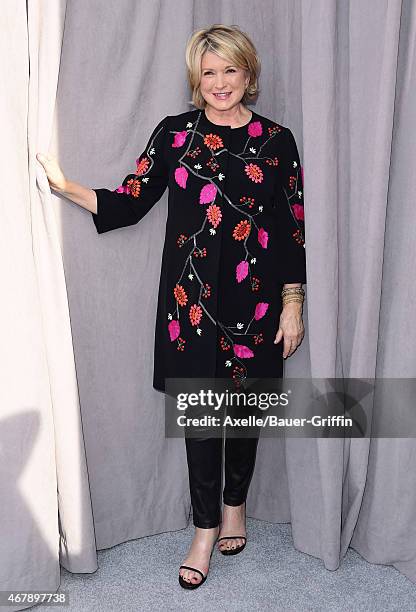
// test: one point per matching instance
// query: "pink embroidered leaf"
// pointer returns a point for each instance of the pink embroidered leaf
(174, 330)
(241, 271)
(123, 189)
(179, 139)
(208, 193)
(263, 237)
(261, 309)
(181, 175)
(255, 128)
(298, 211)
(243, 351)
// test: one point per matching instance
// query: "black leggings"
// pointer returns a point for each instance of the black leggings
(204, 457)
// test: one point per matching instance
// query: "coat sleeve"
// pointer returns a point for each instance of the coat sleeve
(290, 215)
(139, 191)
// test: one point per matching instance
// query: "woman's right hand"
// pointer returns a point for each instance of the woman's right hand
(53, 171)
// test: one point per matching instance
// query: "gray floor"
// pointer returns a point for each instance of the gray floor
(142, 575)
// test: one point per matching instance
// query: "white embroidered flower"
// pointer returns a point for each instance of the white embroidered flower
(300, 194)
(253, 261)
(260, 208)
(304, 245)
(189, 124)
(152, 151)
(169, 316)
(198, 331)
(198, 166)
(191, 276)
(240, 325)
(221, 176)
(145, 179)
(228, 364)
(253, 150)
(212, 231)
(295, 164)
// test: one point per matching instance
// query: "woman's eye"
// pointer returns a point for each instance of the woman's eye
(228, 70)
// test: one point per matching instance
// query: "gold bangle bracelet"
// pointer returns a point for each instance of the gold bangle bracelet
(292, 300)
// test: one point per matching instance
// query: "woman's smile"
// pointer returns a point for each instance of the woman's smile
(222, 96)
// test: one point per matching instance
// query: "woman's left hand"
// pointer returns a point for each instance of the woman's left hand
(291, 328)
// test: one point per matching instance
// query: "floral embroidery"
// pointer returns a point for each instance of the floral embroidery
(238, 375)
(241, 271)
(181, 176)
(246, 200)
(213, 142)
(255, 283)
(297, 235)
(274, 130)
(214, 215)
(261, 309)
(207, 194)
(179, 139)
(174, 329)
(263, 237)
(214, 165)
(195, 314)
(241, 233)
(135, 187)
(225, 344)
(255, 129)
(298, 210)
(254, 173)
(123, 189)
(194, 152)
(142, 165)
(181, 344)
(180, 295)
(200, 252)
(243, 351)
(242, 230)
(292, 181)
(181, 240)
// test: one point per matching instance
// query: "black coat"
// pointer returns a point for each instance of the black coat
(234, 236)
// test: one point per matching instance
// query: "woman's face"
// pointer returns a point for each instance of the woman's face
(221, 76)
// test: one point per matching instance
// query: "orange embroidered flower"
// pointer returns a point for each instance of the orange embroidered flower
(212, 141)
(142, 166)
(214, 214)
(135, 187)
(242, 230)
(180, 295)
(195, 314)
(254, 173)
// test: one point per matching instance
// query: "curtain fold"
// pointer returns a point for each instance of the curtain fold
(45, 22)
(46, 514)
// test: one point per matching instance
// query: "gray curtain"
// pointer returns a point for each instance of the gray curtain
(341, 75)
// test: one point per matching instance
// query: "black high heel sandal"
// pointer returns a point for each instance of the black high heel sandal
(238, 549)
(191, 585)
(194, 585)
(232, 551)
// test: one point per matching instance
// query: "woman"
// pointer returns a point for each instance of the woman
(233, 260)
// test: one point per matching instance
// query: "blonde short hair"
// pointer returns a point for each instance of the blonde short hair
(229, 43)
